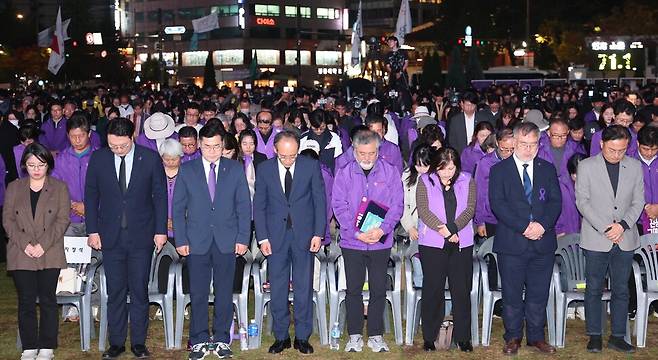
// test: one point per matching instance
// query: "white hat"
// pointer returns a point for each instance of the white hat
(421, 111)
(310, 144)
(159, 126)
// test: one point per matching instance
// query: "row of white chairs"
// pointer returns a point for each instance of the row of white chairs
(568, 272)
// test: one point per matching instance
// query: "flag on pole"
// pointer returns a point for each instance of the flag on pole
(206, 23)
(357, 33)
(194, 42)
(57, 56)
(45, 36)
(403, 25)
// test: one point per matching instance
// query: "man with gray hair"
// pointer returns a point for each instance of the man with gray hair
(366, 188)
(525, 198)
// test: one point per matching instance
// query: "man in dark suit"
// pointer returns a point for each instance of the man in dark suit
(126, 213)
(212, 220)
(461, 126)
(525, 197)
(289, 215)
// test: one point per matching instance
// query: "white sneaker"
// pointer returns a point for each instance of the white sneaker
(46, 354)
(377, 344)
(29, 354)
(355, 344)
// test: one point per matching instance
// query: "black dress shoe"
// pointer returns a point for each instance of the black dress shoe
(595, 344)
(619, 344)
(279, 346)
(303, 346)
(113, 352)
(140, 351)
(465, 346)
(429, 346)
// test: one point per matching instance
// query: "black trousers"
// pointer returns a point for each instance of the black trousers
(31, 285)
(457, 266)
(356, 263)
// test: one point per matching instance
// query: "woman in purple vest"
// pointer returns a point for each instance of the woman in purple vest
(28, 133)
(445, 197)
(473, 152)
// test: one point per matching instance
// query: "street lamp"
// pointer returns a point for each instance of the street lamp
(20, 16)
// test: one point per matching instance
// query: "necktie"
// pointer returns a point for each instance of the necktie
(123, 186)
(288, 182)
(527, 184)
(212, 181)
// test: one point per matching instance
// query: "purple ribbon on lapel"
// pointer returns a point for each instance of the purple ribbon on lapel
(542, 194)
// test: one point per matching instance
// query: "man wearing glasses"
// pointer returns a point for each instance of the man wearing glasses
(610, 195)
(558, 151)
(265, 134)
(212, 221)
(192, 116)
(525, 197)
(125, 206)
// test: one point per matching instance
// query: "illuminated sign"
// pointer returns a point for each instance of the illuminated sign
(615, 45)
(615, 62)
(174, 30)
(265, 21)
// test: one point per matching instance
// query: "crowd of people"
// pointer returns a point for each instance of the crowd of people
(206, 169)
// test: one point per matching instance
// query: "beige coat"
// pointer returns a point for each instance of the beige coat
(46, 228)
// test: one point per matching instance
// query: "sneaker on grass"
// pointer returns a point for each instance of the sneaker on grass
(222, 350)
(355, 344)
(377, 344)
(199, 351)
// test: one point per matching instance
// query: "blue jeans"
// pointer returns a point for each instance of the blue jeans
(619, 264)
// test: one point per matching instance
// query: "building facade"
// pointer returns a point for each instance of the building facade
(276, 32)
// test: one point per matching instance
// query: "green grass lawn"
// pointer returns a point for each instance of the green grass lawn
(69, 341)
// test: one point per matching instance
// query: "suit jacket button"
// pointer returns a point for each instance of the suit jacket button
(212, 209)
(615, 208)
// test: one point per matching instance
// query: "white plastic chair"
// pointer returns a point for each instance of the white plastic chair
(263, 296)
(646, 284)
(414, 296)
(164, 301)
(491, 296)
(240, 300)
(568, 272)
(336, 270)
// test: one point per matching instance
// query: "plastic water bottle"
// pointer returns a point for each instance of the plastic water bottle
(244, 341)
(252, 331)
(335, 337)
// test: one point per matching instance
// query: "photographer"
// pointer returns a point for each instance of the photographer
(397, 62)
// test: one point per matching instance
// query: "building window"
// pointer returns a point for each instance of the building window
(327, 58)
(268, 57)
(228, 57)
(225, 10)
(328, 13)
(191, 13)
(291, 57)
(194, 58)
(266, 10)
(305, 11)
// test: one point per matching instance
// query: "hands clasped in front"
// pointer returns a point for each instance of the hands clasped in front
(615, 233)
(371, 236)
(316, 242)
(534, 231)
(34, 251)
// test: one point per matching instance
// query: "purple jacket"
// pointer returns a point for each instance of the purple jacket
(430, 237)
(388, 151)
(54, 138)
(328, 187)
(470, 156)
(483, 213)
(72, 169)
(570, 148)
(650, 184)
(193, 156)
(171, 183)
(569, 220)
(150, 143)
(3, 173)
(595, 147)
(95, 140)
(18, 154)
(590, 117)
(344, 137)
(383, 185)
(266, 148)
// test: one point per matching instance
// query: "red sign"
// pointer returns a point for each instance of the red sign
(265, 21)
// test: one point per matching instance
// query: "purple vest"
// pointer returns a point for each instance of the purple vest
(150, 143)
(73, 171)
(650, 185)
(192, 156)
(595, 148)
(54, 138)
(262, 146)
(18, 154)
(483, 213)
(328, 179)
(569, 220)
(470, 157)
(429, 237)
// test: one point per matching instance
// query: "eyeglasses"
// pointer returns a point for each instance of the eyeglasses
(559, 137)
(36, 166)
(215, 147)
(119, 147)
(189, 146)
(287, 157)
(528, 146)
(506, 150)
